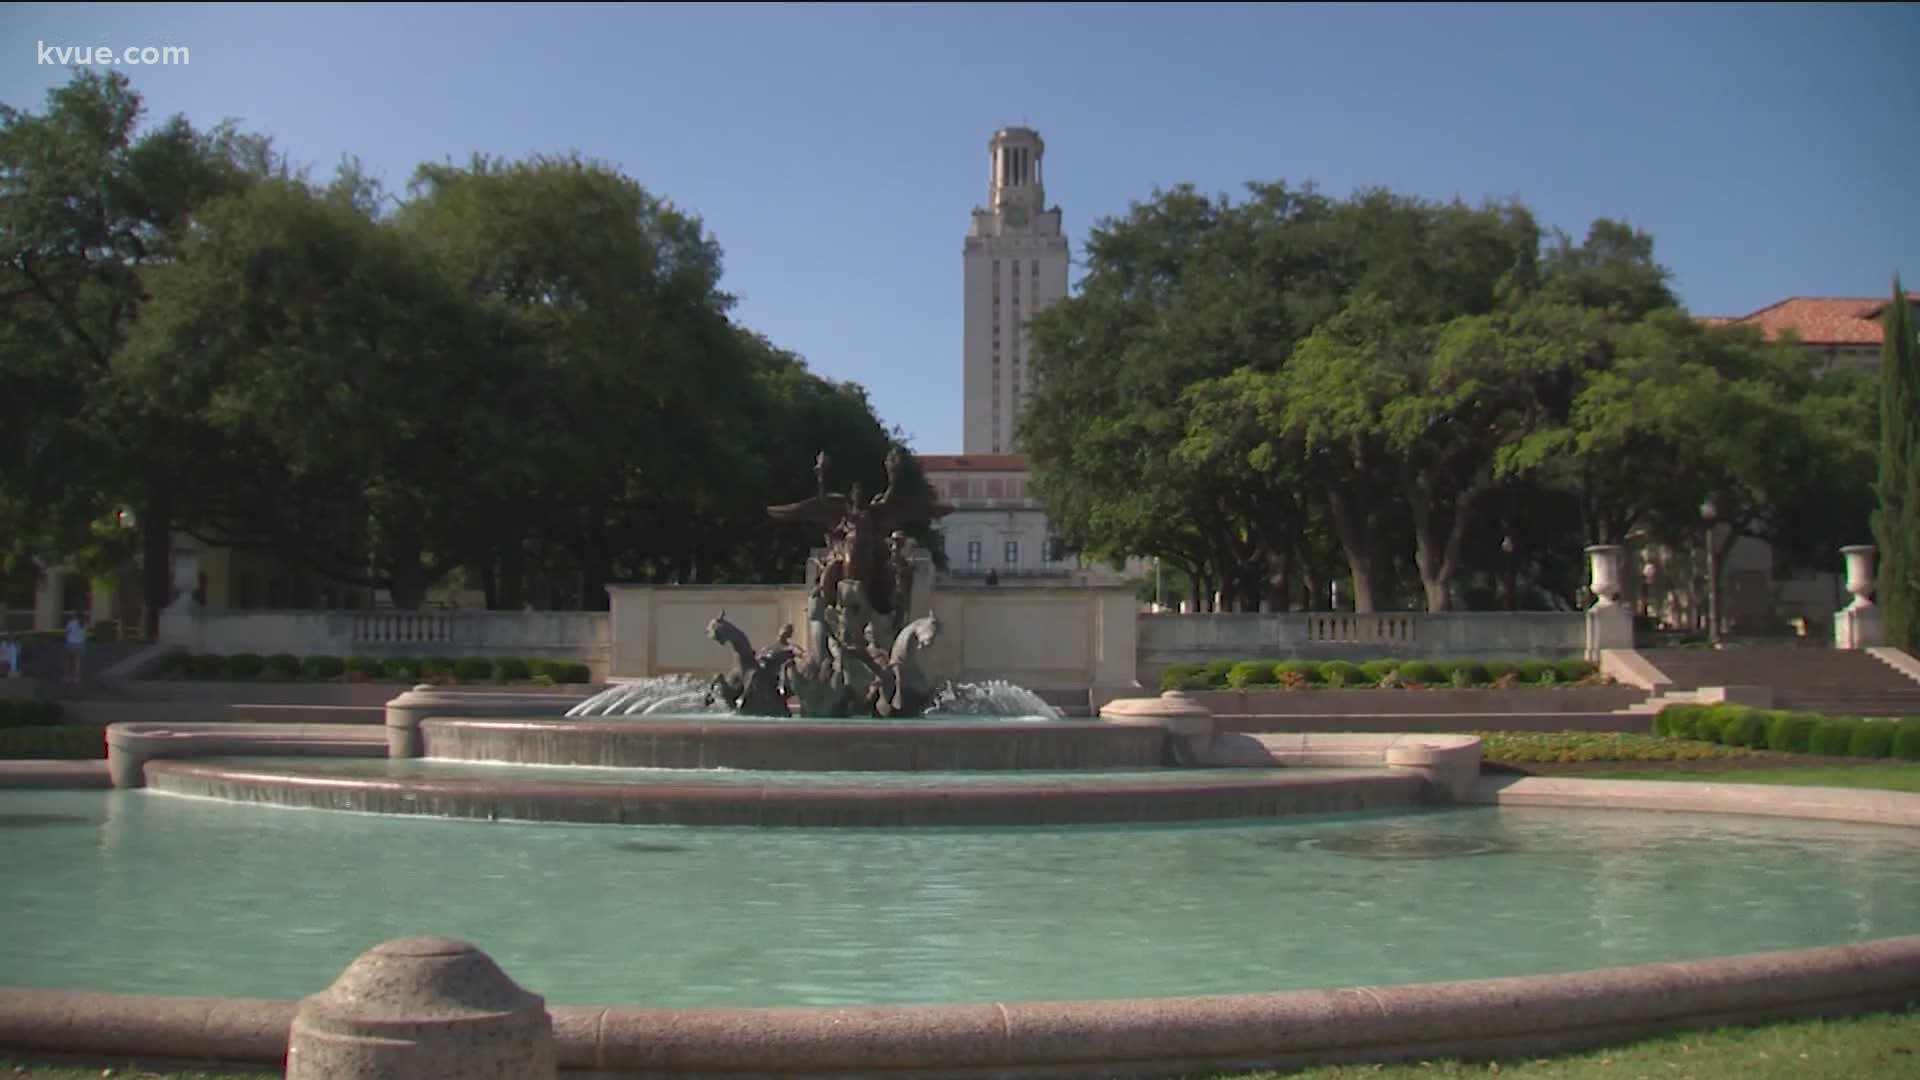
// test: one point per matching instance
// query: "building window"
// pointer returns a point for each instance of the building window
(973, 553)
(1013, 553)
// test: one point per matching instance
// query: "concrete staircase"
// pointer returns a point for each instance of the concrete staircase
(1837, 682)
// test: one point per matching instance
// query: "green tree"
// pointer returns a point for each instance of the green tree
(627, 372)
(1896, 523)
(355, 377)
(89, 203)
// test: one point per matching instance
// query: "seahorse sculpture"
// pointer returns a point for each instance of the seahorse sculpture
(912, 690)
(757, 687)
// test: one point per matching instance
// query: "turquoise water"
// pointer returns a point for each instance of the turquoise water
(145, 892)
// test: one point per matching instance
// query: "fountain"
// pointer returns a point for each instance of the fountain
(967, 947)
(860, 599)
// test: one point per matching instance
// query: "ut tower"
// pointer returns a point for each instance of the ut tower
(1016, 264)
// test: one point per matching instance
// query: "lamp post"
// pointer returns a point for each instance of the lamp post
(1711, 514)
(1156, 583)
(1649, 574)
(1506, 552)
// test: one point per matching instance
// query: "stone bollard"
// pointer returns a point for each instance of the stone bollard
(404, 714)
(424, 1008)
(1189, 724)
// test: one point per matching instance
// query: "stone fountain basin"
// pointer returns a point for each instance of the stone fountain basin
(709, 742)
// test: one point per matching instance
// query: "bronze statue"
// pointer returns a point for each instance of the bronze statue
(857, 533)
(861, 593)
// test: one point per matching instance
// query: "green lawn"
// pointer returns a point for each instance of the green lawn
(1858, 1048)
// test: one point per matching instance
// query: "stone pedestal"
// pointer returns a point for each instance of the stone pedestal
(423, 1008)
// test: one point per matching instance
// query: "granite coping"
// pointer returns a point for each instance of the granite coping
(132, 746)
(1181, 795)
(1858, 805)
(1143, 1037)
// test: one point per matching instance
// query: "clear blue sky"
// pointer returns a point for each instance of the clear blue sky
(835, 151)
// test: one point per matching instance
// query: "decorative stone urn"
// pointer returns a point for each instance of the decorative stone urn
(1859, 625)
(1603, 561)
(186, 577)
(1859, 574)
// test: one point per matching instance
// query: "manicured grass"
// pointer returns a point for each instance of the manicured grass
(1606, 755)
(1565, 747)
(1858, 1048)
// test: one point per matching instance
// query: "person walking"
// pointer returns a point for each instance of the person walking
(76, 647)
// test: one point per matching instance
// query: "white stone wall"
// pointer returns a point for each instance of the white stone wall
(560, 635)
(1038, 637)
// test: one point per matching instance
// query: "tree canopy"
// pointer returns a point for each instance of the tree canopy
(1431, 403)
(524, 373)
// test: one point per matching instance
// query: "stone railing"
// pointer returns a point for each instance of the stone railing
(403, 628)
(1395, 629)
(1333, 635)
(557, 635)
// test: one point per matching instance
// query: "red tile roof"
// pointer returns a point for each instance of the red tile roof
(972, 462)
(1819, 320)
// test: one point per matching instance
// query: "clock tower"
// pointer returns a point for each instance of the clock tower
(1016, 264)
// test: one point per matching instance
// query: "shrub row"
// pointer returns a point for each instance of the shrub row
(62, 742)
(29, 712)
(1411, 674)
(1567, 747)
(1791, 732)
(282, 667)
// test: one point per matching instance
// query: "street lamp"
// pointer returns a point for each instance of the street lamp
(1649, 576)
(1506, 552)
(1710, 514)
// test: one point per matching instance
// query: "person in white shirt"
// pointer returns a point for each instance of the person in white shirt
(76, 647)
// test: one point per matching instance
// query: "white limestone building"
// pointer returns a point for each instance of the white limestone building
(1016, 265)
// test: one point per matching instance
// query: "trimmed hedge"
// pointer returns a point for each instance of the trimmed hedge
(284, 667)
(1301, 674)
(54, 742)
(29, 712)
(1791, 732)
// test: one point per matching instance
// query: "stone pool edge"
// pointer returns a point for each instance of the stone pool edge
(1144, 1037)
